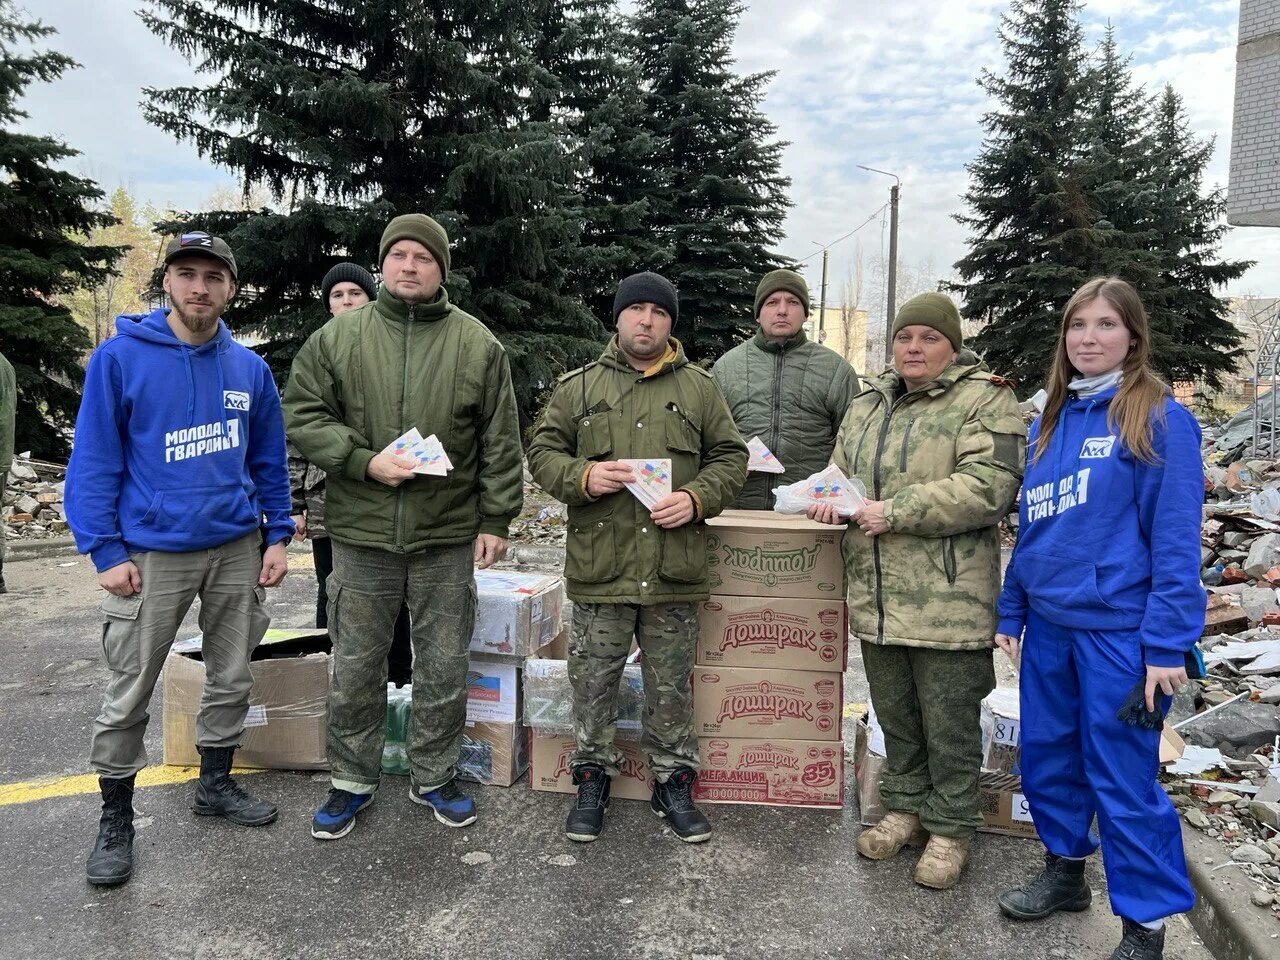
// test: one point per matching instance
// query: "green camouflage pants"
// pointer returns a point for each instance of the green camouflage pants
(598, 647)
(929, 702)
(366, 590)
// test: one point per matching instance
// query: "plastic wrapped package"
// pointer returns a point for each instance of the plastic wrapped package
(548, 698)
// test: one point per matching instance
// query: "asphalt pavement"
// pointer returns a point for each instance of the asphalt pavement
(772, 882)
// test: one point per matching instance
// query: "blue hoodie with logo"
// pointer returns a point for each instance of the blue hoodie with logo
(1107, 542)
(177, 448)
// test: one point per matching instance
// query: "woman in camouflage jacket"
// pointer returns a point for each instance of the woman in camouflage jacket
(940, 447)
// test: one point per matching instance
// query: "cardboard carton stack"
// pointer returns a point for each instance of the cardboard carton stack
(517, 614)
(768, 687)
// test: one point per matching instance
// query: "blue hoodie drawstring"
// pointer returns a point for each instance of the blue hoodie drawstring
(191, 387)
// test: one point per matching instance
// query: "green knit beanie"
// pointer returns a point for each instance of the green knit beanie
(420, 227)
(787, 280)
(931, 310)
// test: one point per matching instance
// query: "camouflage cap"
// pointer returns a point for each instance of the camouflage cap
(199, 242)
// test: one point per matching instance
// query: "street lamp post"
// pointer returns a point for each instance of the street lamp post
(891, 306)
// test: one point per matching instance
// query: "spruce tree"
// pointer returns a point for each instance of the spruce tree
(717, 208)
(584, 45)
(353, 111)
(41, 259)
(1029, 222)
(1199, 342)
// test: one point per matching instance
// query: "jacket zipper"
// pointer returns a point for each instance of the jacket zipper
(875, 541)
(775, 426)
(906, 435)
(404, 405)
(949, 560)
(857, 451)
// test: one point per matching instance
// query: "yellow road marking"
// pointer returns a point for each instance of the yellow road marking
(854, 709)
(33, 790)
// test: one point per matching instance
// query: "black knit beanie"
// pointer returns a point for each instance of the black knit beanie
(347, 273)
(647, 288)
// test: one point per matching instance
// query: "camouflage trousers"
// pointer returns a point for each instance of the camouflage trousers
(366, 590)
(598, 648)
(928, 702)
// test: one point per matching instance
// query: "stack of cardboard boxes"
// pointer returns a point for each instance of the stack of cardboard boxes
(768, 687)
(517, 615)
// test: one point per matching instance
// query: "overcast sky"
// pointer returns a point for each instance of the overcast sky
(858, 82)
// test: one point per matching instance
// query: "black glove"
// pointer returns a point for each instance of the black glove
(1134, 709)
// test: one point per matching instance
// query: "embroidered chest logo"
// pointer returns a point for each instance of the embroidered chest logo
(235, 400)
(1097, 448)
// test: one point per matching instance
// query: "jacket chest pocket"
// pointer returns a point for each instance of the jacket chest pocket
(595, 442)
(684, 446)
(592, 554)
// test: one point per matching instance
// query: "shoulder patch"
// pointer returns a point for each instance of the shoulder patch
(573, 373)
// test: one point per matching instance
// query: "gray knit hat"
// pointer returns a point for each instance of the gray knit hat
(420, 227)
(348, 273)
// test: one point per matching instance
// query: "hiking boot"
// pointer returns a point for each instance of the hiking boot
(586, 816)
(940, 864)
(217, 795)
(452, 807)
(337, 815)
(111, 862)
(887, 838)
(1059, 886)
(1139, 943)
(673, 801)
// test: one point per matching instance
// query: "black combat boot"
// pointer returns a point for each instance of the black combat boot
(111, 862)
(673, 801)
(1059, 886)
(1139, 943)
(586, 816)
(217, 795)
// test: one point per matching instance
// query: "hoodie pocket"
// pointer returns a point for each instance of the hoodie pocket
(1060, 586)
(216, 507)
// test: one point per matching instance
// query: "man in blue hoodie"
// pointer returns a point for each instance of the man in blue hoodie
(178, 488)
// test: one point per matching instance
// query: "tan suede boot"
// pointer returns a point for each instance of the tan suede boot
(942, 861)
(887, 838)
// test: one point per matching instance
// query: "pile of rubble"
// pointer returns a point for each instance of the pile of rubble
(31, 506)
(1227, 784)
(542, 519)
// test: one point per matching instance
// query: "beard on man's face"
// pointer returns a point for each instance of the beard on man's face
(201, 319)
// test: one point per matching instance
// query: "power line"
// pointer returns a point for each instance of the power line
(847, 235)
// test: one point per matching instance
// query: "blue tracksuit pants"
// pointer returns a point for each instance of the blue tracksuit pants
(1079, 761)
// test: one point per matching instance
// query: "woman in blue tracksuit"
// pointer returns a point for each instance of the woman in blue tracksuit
(1104, 592)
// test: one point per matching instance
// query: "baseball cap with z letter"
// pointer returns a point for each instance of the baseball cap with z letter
(199, 242)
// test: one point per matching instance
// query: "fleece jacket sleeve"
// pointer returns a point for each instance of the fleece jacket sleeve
(96, 469)
(1170, 497)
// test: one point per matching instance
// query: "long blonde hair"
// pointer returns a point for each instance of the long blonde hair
(1141, 392)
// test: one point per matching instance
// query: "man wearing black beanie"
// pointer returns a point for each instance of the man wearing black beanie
(633, 570)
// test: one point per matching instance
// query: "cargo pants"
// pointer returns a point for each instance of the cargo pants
(138, 631)
(366, 591)
(929, 703)
(598, 648)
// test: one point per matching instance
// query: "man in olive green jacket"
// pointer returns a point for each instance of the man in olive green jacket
(939, 444)
(409, 359)
(784, 388)
(632, 570)
(8, 414)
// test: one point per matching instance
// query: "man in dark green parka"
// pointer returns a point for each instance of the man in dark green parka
(633, 570)
(409, 359)
(785, 389)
